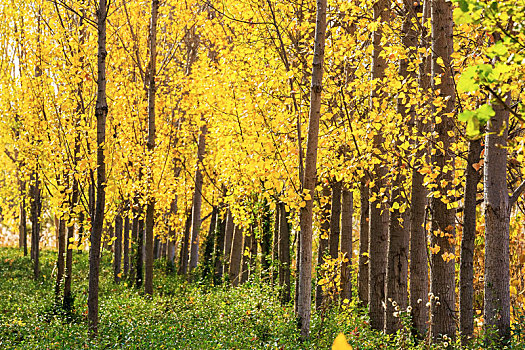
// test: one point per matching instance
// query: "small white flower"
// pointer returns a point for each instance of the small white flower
(429, 304)
(438, 303)
(445, 344)
(419, 301)
(396, 314)
(394, 303)
(396, 308)
(390, 299)
(409, 309)
(431, 295)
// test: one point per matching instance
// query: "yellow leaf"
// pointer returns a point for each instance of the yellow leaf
(119, 275)
(340, 343)
(513, 290)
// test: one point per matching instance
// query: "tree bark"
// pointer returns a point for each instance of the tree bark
(118, 249)
(323, 248)
(101, 110)
(466, 270)
(236, 256)
(197, 200)
(210, 243)
(418, 289)
(183, 264)
(150, 208)
(266, 240)
(497, 219)
(347, 212)
(378, 211)
(36, 207)
(443, 218)
(22, 223)
(304, 298)
(275, 244)
(246, 256)
(335, 219)
(364, 231)
(218, 254)
(284, 254)
(126, 245)
(228, 238)
(60, 264)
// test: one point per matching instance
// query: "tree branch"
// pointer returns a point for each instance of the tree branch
(516, 194)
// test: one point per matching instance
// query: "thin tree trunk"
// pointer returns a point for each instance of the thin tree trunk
(101, 110)
(22, 224)
(323, 248)
(347, 212)
(36, 205)
(466, 270)
(228, 238)
(139, 254)
(284, 254)
(246, 257)
(364, 231)
(418, 288)
(117, 243)
(126, 245)
(304, 297)
(335, 219)
(236, 256)
(209, 243)
(67, 302)
(60, 264)
(134, 240)
(197, 201)
(275, 244)
(266, 240)
(150, 208)
(218, 254)
(183, 266)
(497, 219)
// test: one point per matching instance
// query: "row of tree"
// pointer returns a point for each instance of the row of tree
(201, 108)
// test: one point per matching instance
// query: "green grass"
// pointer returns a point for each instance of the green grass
(181, 315)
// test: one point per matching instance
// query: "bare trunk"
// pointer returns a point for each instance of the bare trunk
(418, 205)
(266, 240)
(497, 218)
(304, 297)
(246, 257)
(335, 219)
(378, 212)
(197, 201)
(323, 247)
(236, 256)
(101, 110)
(183, 263)
(275, 244)
(60, 265)
(150, 208)
(36, 207)
(364, 231)
(466, 270)
(126, 245)
(22, 223)
(284, 254)
(209, 244)
(443, 219)
(139, 253)
(347, 212)
(117, 243)
(218, 254)
(228, 237)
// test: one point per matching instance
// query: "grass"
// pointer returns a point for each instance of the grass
(181, 315)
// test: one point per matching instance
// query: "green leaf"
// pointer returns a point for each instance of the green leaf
(465, 116)
(467, 82)
(473, 127)
(461, 17)
(484, 112)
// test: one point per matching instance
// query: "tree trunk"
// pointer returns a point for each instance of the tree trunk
(378, 211)
(67, 302)
(418, 205)
(497, 218)
(22, 224)
(335, 219)
(266, 240)
(126, 245)
(275, 244)
(364, 231)
(139, 254)
(304, 297)
(228, 238)
(209, 243)
(246, 257)
(284, 254)
(60, 265)
(218, 254)
(236, 256)
(101, 110)
(197, 201)
(183, 265)
(36, 207)
(150, 208)
(323, 248)
(347, 212)
(466, 270)
(443, 219)
(117, 243)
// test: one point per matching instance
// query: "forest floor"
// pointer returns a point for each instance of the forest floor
(181, 315)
